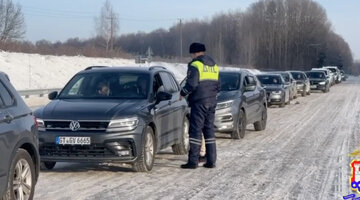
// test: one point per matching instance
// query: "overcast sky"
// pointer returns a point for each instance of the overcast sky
(63, 19)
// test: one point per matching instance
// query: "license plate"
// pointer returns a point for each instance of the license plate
(313, 87)
(73, 140)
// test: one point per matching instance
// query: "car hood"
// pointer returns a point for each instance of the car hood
(90, 109)
(227, 95)
(317, 79)
(273, 87)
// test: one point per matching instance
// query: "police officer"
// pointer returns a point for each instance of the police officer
(202, 86)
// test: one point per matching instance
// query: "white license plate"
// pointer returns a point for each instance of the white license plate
(73, 140)
(313, 87)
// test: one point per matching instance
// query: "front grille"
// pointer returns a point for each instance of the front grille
(84, 125)
(75, 151)
(85, 151)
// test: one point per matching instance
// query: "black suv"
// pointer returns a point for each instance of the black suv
(241, 101)
(318, 81)
(277, 92)
(19, 157)
(114, 114)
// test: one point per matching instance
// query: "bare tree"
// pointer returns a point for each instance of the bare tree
(107, 25)
(12, 25)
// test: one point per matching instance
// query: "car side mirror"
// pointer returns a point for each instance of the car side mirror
(250, 88)
(52, 95)
(162, 96)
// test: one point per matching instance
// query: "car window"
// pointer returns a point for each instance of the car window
(250, 80)
(107, 85)
(167, 82)
(229, 81)
(173, 82)
(6, 97)
(157, 84)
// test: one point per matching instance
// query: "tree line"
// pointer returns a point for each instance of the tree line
(270, 34)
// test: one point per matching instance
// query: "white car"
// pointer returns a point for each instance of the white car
(336, 71)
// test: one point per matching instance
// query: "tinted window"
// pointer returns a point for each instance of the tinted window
(250, 80)
(229, 82)
(6, 97)
(270, 80)
(173, 82)
(107, 85)
(286, 77)
(168, 83)
(320, 75)
(298, 75)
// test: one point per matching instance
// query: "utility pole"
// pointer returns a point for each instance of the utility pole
(181, 40)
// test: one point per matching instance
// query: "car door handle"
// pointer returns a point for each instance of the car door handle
(8, 118)
(169, 103)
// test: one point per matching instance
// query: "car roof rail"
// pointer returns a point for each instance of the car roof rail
(155, 67)
(92, 67)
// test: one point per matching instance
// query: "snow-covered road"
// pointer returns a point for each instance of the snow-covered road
(302, 154)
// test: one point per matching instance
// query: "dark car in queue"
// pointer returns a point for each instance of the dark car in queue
(344, 76)
(114, 114)
(318, 81)
(241, 101)
(276, 91)
(19, 157)
(302, 82)
(289, 82)
(329, 75)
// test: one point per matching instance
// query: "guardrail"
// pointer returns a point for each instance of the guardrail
(37, 92)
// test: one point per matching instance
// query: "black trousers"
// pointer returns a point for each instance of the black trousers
(202, 122)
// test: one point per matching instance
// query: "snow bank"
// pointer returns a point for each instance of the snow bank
(34, 71)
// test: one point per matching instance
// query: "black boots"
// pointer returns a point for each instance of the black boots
(189, 166)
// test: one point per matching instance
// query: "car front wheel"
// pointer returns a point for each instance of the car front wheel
(183, 146)
(240, 126)
(145, 161)
(21, 182)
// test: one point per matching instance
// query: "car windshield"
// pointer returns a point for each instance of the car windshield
(319, 75)
(269, 79)
(107, 86)
(286, 77)
(298, 76)
(229, 81)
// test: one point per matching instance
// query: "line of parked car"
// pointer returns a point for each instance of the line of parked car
(117, 114)
(283, 86)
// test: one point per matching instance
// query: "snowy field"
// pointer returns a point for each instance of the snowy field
(34, 71)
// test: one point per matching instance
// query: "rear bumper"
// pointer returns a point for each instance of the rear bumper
(105, 147)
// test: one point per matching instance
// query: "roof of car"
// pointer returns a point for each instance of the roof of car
(269, 74)
(136, 69)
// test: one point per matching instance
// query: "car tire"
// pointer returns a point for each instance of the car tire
(261, 125)
(145, 160)
(183, 147)
(47, 165)
(303, 93)
(26, 181)
(240, 126)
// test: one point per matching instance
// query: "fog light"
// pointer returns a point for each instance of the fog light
(226, 118)
(124, 153)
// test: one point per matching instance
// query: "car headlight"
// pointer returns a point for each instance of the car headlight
(223, 105)
(127, 124)
(322, 83)
(40, 124)
(276, 92)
